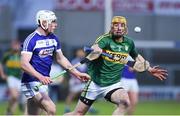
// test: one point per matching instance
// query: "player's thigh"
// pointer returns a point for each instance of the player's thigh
(134, 91)
(120, 95)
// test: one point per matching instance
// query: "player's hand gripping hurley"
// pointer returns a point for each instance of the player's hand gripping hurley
(36, 88)
(88, 58)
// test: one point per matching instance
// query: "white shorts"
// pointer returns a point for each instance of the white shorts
(77, 88)
(130, 84)
(14, 82)
(29, 92)
(75, 85)
(93, 91)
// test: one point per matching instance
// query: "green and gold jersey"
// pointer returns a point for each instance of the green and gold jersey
(11, 60)
(105, 71)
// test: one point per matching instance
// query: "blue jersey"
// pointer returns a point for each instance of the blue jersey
(128, 73)
(42, 49)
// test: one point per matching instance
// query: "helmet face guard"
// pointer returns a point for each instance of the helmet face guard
(45, 15)
(118, 26)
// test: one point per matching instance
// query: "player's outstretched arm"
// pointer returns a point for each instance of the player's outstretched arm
(155, 71)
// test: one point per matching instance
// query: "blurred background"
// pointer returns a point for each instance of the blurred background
(80, 22)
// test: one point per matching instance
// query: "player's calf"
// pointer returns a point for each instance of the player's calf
(122, 107)
(51, 110)
(119, 97)
(49, 106)
(46, 103)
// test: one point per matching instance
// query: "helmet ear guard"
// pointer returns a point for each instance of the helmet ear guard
(45, 27)
(45, 15)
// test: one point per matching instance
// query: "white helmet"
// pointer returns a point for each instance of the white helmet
(45, 15)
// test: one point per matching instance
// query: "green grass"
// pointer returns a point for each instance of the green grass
(106, 108)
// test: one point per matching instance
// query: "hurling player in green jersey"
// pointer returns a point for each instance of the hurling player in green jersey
(105, 71)
(12, 74)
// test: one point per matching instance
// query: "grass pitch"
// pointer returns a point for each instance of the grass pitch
(106, 108)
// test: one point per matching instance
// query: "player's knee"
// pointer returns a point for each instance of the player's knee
(124, 103)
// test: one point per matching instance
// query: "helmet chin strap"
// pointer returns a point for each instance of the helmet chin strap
(44, 27)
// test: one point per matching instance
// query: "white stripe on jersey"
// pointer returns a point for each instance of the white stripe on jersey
(26, 52)
(26, 42)
(45, 43)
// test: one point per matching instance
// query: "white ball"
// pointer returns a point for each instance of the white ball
(137, 29)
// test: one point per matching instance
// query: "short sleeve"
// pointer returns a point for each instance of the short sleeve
(28, 45)
(58, 45)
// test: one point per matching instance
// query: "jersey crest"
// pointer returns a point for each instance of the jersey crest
(119, 48)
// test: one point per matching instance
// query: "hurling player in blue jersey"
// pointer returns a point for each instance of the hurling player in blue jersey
(130, 84)
(36, 59)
